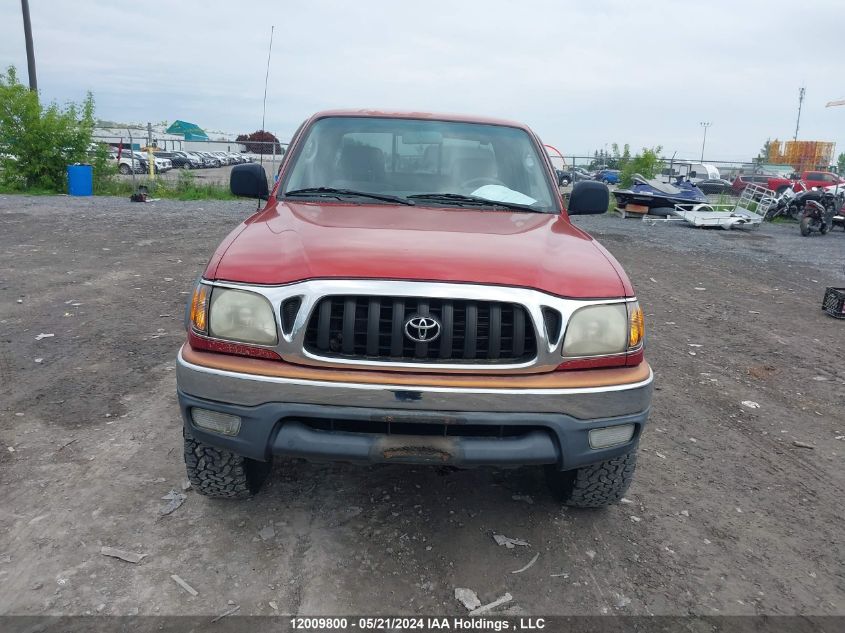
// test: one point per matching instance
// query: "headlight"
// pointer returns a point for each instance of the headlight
(602, 330)
(597, 331)
(237, 315)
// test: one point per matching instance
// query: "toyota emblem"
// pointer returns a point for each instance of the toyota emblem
(422, 329)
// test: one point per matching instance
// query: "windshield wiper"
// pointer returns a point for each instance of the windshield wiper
(459, 199)
(331, 192)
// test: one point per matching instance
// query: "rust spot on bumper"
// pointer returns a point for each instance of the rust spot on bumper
(417, 449)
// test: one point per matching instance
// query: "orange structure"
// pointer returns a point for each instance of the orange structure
(801, 155)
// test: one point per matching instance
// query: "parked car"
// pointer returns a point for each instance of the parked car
(568, 176)
(608, 176)
(353, 319)
(180, 160)
(714, 185)
(204, 161)
(778, 184)
(127, 163)
(213, 161)
(160, 165)
(821, 179)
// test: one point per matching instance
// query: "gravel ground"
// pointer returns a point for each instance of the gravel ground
(727, 514)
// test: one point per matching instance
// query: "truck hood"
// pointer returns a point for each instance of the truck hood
(294, 241)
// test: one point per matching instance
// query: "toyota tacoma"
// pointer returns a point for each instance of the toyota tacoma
(413, 291)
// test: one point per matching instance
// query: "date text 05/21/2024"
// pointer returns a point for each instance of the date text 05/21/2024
(483, 623)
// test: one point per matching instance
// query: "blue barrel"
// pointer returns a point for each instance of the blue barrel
(80, 180)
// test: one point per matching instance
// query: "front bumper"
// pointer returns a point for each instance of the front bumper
(360, 417)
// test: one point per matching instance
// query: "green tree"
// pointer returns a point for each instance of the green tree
(646, 164)
(38, 142)
(763, 154)
(840, 163)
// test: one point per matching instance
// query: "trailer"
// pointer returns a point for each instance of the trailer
(748, 211)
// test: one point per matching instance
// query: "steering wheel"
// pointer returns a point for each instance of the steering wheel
(474, 183)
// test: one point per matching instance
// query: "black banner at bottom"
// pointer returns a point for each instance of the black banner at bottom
(426, 624)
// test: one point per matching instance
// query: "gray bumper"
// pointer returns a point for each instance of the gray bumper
(370, 423)
(252, 390)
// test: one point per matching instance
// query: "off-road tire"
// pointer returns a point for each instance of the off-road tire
(593, 486)
(216, 472)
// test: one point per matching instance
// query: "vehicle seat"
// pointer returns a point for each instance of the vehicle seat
(470, 168)
(362, 163)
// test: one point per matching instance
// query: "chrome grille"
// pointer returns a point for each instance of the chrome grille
(372, 328)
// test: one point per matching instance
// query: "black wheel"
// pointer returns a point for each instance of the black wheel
(593, 486)
(795, 212)
(186, 165)
(805, 227)
(215, 472)
(564, 182)
(124, 169)
(824, 228)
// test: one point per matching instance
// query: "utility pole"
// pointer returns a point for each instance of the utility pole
(30, 51)
(705, 125)
(801, 92)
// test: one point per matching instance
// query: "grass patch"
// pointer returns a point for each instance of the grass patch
(32, 191)
(185, 187)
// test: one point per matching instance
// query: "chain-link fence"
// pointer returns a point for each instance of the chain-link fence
(186, 153)
(725, 169)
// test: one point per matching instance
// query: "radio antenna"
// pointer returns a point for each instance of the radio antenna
(264, 107)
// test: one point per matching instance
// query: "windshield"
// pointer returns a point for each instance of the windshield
(421, 159)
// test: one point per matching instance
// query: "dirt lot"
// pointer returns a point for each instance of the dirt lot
(728, 514)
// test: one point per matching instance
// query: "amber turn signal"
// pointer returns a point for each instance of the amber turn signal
(199, 309)
(636, 326)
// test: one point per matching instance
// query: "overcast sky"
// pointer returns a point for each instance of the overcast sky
(582, 74)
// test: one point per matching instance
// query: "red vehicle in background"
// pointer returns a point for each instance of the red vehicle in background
(778, 184)
(821, 179)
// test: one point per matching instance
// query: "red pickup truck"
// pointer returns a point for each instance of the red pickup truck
(413, 291)
(821, 179)
(769, 181)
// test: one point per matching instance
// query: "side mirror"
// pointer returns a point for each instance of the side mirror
(588, 197)
(249, 181)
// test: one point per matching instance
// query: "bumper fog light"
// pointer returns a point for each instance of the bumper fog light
(222, 423)
(611, 436)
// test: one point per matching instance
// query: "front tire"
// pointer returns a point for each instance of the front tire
(805, 227)
(216, 472)
(593, 486)
(124, 169)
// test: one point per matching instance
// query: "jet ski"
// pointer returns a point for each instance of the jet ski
(657, 195)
